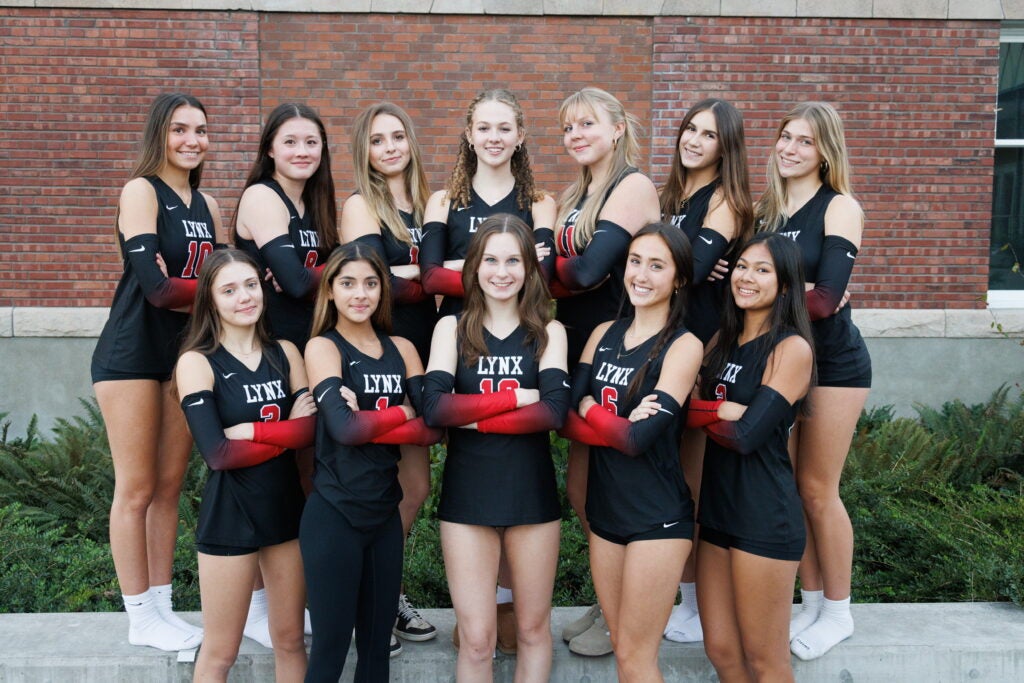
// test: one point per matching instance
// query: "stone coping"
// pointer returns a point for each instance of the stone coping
(889, 323)
(870, 9)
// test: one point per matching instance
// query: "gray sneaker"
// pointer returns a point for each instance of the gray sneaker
(582, 624)
(594, 642)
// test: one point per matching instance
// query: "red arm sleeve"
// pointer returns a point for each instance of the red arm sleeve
(415, 432)
(297, 433)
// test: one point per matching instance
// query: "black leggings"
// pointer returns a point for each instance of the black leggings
(352, 579)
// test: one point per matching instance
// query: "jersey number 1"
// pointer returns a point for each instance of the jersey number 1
(487, 385)
(197, 252)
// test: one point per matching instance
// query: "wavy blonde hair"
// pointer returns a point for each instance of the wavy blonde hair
(625, 154)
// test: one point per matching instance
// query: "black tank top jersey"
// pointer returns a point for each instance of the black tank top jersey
(582, 313)
(499, 479)
(258, 506)
(629, 495)
(138, 336)
(361, 482)
(287, 317)
(704, 309)
(840, 353)
(753, 496)
(462, 224)
(413, 321)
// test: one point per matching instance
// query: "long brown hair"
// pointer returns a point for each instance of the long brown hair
(625, 155)
(373, 186)
(204, 325)
(830, 141)
(461, 180)
(534, 299)
(318, 192)
(325, 313)
(732, 166)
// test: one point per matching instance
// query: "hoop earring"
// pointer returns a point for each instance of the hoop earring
(519, 146)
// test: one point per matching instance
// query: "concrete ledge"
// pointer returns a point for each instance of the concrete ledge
(58, 322)
(906, 643)
(887, 9)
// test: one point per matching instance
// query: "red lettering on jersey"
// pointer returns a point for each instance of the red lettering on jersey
(487, 385)
(720, 392)
(197, 252)
(311, 256)
(414, 255)
(270, 413)
(610, 399)
(382, 403)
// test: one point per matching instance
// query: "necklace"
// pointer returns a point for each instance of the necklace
(622, 352)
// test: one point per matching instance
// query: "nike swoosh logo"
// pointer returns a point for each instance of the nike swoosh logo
(230, 375)
(599, 231)
(287, 246)
(705, 239)
(566, 384)
(136, 251)
(851, 256)
(603, 348)
(667, 412)
(320, 398)
(295, 218)
(354, 362)
(666, 525)
(462, 208)
(197, 403)
(170, 208)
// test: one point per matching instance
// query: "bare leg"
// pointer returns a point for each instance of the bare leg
(532, 554)
(225, 586)
(471, 563)
(286, 599)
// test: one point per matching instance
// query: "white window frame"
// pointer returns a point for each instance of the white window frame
(1007, 298)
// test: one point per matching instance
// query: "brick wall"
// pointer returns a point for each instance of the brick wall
(917, 97)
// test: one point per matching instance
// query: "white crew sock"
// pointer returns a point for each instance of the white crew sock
(834, 625)
(684, 622)
(503, 595)
(162, 595)
(688, 595)
(257, 625)
(810, 608)
(147, 627)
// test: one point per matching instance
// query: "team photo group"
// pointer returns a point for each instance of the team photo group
(693, 343)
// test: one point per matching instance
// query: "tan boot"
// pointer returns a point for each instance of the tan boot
(507, 629)
(582, 624)
(594, 642)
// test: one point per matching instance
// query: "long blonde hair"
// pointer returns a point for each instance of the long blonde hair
(625, 154)
(373, 186)
(830, 140)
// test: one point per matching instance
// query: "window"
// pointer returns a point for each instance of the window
(1005, 280)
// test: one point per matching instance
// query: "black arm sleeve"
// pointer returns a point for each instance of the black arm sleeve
(837, 258)
(766, 411)
(434, 244)
(580, 384)
(289, 270)
(546, 236)
(635, 438)
(708, 248)
(548, 413)
(159, 290)
(607, 248)
(352, 428)
(414, 390)
(220, 452)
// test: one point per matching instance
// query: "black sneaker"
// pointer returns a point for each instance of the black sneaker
(396, 647)
(410, 625)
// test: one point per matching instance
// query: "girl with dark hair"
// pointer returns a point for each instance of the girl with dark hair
(165, 228)
(809, 199)
(287, 217)
(248, 406)
(497, 379)
(386, 214)
(707, 195)
(631, 388)
(597, 216)
(752, 529)
(351, 534)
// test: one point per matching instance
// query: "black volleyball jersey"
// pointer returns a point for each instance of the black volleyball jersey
(751, 496)
(462, 224)
(627, 495)
(414, 321)
(261, 505)
(361, 482)
(289, 317)
(499, 479)
(139, 337)
(582, 313)
(835, 337)
(704, 309)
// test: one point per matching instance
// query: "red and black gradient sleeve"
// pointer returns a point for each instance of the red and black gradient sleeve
(837, 258)
(297, 433)
(634, 438)
(578, 429)
(414, 432)
(701, 413)
(220, 452)
(159, 290)
(764, 414)
(403, 291)
(437, 279)
(708, 248)
(548, 413)
(442, 408)
(546, 237)
(290, 272)
(607, 249)
(350, 428)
